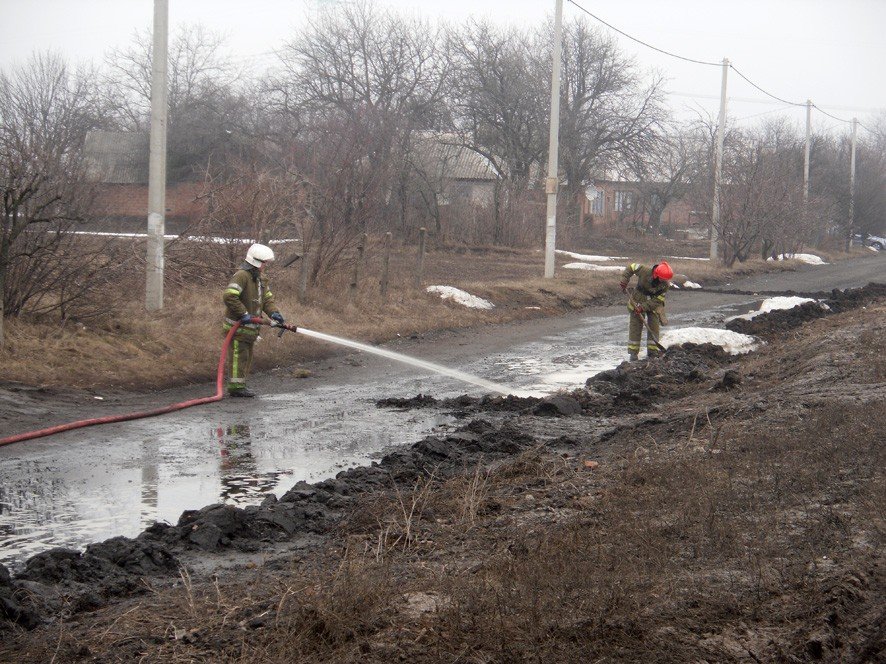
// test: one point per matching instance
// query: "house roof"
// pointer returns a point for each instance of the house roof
(440, 156)
(117, 156)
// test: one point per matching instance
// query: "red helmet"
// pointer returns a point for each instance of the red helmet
(663, 271)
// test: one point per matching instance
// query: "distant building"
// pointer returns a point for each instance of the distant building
(118, 163)
(454, 173)
(625, 202)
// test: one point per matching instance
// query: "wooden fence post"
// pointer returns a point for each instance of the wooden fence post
(386, 264)
(422, 237)
(358, 264)
(303, 275)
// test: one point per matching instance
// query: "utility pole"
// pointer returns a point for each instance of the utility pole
(806, 155)
(552, 182)
(718, 163)
(157, 163)
(852, 185)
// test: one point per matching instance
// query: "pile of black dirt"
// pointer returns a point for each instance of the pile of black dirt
(779, 320)
(844, 300)
(66, 581)
(410, 403)
(837, 301)
(634, 387)
(464, 404)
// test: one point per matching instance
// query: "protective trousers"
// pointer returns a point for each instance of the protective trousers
(635, 333)
(240, 359)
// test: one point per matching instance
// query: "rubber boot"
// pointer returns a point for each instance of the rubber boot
(245, 392)
(633, 356)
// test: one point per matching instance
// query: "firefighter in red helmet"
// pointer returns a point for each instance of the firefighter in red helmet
(647, 299)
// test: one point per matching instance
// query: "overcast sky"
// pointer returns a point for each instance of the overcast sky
(830, 51)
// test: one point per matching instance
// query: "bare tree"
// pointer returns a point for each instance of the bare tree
(499, 104)
(608, 116)
(373, 73)
(204, 102)
(45, 112)
(662, 175)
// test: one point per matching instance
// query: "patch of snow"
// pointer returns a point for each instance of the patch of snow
(691, 284)
(590, 258)
(189, 238)
(810, 259)
(594, 268)
(774, 304)
(687, 258)
(732, 342)
(460, 297)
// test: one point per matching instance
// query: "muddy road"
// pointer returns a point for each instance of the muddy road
(88, 485)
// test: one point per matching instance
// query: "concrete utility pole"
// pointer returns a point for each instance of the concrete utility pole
(806, 155)
(553, 180)
(852, 185)
(157, 163)
(718, 163)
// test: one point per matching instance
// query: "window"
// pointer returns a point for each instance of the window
(624, 201)
(597, 203)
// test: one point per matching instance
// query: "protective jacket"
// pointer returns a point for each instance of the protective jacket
(650, 293)
(248, 292)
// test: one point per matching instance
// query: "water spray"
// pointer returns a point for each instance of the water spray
(405, 359)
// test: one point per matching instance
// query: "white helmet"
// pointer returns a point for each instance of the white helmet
(259, 254)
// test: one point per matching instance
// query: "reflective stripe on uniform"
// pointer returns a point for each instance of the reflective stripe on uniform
(634, 347)
(234, 286)
(268, 294)
(235, 363)
(635, 266)
(243, 326)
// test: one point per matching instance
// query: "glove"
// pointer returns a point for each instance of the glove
(246, 318)
(277, 317)
(624, 286)
(638, 310)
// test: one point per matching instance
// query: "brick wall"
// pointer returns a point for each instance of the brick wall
(130, 201)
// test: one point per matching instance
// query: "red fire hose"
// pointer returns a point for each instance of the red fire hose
(219, 393)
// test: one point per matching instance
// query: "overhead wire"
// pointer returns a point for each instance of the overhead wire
(640, 41)
(787, 102)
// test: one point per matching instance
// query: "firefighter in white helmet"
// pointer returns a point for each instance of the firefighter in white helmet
(247, 296)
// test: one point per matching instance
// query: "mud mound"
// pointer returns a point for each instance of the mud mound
(844, 300)
(779, 320)
(464, 404)
(634, 387)
(418, 401)
(782, 320)
(66, 579)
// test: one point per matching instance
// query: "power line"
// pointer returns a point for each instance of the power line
(708, 63)
(769, 94)
(640, 41)
(821, 110)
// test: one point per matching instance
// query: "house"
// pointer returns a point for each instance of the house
(117, 162)
(455, 174)
(615, 202)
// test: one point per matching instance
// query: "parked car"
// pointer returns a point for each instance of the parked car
(875, 241)
(867, 240)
